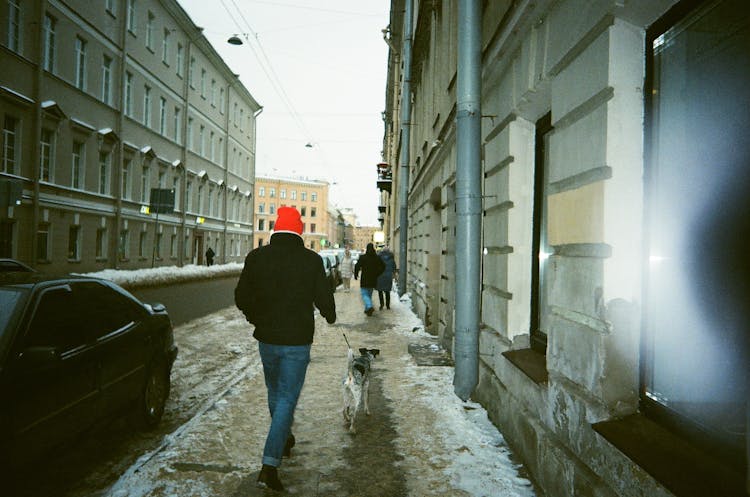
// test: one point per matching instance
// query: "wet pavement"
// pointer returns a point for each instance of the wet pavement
(407, 447)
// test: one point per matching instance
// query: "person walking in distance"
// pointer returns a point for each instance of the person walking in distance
(385, 280)
(210, 256)
(279, 285)
(371, 266)
(346, 269)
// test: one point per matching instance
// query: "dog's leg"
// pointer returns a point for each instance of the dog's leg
(356, 398)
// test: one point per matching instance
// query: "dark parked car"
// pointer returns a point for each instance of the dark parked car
(73, 351)
(12, 265)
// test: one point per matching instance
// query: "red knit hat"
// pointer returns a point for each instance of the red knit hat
(288, 221)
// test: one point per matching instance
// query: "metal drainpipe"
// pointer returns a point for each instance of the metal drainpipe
(403, 196)
(468, 197)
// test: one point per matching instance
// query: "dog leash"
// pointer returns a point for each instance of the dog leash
(347, 341)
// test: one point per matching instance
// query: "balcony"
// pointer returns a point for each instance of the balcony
(385, 177)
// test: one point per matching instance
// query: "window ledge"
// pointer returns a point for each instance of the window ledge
(532, 363)
(678, 466)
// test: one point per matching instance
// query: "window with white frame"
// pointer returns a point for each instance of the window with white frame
(262, 191)
(101, 243)
(150, 28)
(105, 166)
(80, 63)
(147, 106)
(111, 6)
(191, 73)
(49, 61)
(74, 242)
(272, 192)
(177, 125)
(190, 141)
(189, 196)
(211, 201)
(222, 100)
(177, 196)
(145, 182)
(47, 155)
(272, 208)
(202, 140)
(213, 92)
(43, 242)
(163, 116)
(180, 62)
(123, 247)
(142, 244)
(282, 193)
(127, 179)
(261, 208)
(11, 145)
(303, 195)
(314, 197)
(131, 17)
(107, 80)
(165, 46)
(199, 207)
(14, 25)
(203, 83)
(128, 94)
(294, 194)
(212, 146)
(77, 170)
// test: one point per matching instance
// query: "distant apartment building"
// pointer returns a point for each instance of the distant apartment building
(310, 197)
(363, 235)
(107, 107)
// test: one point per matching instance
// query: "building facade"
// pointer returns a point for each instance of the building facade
(363, 235)
(131, 141)
(310, 197)
(614, 192)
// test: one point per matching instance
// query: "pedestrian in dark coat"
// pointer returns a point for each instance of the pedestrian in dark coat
(278, 287)
(371, 266)
(210, 256)
(385, 280)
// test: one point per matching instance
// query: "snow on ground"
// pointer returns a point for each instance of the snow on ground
(166, 275)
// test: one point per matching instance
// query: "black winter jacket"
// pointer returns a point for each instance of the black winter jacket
(278, 287)
(371, 266)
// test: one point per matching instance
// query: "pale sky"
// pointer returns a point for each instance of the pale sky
(330, 60)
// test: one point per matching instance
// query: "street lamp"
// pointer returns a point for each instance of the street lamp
(235, 40)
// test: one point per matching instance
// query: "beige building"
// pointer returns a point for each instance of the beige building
(611, 283)
(310, 197)
(362, 236)
(101, 103)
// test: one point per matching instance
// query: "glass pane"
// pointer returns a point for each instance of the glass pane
(696, 364)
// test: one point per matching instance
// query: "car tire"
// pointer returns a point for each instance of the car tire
(155, 394)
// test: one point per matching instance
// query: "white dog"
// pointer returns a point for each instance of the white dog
(357, 384)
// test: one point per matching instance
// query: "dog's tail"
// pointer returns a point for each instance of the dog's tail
(349, 367)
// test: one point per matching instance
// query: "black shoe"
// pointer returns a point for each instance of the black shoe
(388, 306)
(381, 307)
(290, 442)
(370, 311)
(269, 478)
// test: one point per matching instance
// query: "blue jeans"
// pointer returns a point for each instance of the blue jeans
(366, 297)
(284, 368)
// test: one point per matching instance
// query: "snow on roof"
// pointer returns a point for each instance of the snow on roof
(15, 93)
(48, 103)
(202, 174)
(176, 163)
(82, 124)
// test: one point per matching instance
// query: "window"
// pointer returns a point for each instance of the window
(157, 246)
(304, 196)
(163, 116)
(107, 80)
(694, 326)
(190, 133)
(150, 26)
(42, 242)
(189, 196)
(176, 187)
(272, 192)
(147, 106)
(199, 208)
(260, 242)
(221, 150)
(294, 194)
(242, 118)
(173, 246)
(282, 193)
(272, 208)
(312, 228)
(313, 211)
(127, 182)
(101, 243)
(47, 156)
(271, 225)
(111, 6)
(123, 247)
(314, 197)
(145, 183)
(262, 191)
(131, 16)
(210, 201)
(261, 208)
(80, 63)
(49, 61)
(165, 46)
(142, 244)
(14, 25)
(222, 100)
(213, 93)
(203, 83)
(235, 113)
(104, 168)
(128, 94)
(180, 62)
(74, 243)
(201, 140)
(540, 285)
(178, 125)
(191, 72)
(10, 145)
(261, 224)
(303, 211)
(77, 169)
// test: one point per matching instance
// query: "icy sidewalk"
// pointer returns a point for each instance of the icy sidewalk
(420, 440)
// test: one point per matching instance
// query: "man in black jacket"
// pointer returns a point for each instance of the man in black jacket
(278, 287)
(371, 266)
